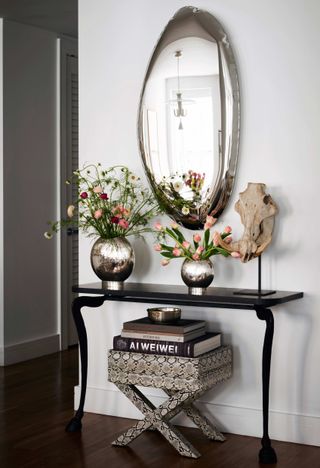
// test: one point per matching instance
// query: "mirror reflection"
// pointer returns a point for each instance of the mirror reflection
(183, 119)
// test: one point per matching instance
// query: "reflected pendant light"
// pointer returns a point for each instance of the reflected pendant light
(179, 111)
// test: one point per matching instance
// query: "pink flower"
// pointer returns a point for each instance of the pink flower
(195, 256)
(211, 220)
(176, 252)
(123, 223)
(104, 196)
(83, 195)
(207, 226)
(165, 262)
(200, 249)
(228, 240)
(216, 238)
(97, 189)
(158, 226)
(186, 244)
(117, 209)
(235, 254)
(157, 247)
(227, 229)
(197, 238)
(126, 212)
(98, 214)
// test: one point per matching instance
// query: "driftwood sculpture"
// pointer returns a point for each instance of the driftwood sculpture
(257, 211)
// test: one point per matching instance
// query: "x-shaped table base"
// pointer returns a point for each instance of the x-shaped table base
(158, 418)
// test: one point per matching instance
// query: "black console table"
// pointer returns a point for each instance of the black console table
(178, 295)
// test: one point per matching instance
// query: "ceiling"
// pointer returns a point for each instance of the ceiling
(60, 16)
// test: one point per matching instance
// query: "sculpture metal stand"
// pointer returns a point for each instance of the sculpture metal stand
(259, 291)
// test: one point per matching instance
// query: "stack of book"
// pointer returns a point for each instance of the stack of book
(184, 337)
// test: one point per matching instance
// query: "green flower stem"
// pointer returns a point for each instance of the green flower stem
(137, 210)
(146, 215)
(186, 251)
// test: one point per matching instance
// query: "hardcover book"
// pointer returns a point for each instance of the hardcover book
(192, 348)
(170, 366)
(163, 336)
(179, 326)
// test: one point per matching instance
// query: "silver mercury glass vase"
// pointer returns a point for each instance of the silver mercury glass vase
(112, 261)
(197, 275)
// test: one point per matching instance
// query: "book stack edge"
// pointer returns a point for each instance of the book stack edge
(185, 338)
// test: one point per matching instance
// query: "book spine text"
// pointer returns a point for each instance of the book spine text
(152, 346)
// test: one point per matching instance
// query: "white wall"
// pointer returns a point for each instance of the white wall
(277, 45)
(29, 191)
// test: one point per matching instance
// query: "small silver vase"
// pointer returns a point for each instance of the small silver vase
(112, 261)
(197, 274)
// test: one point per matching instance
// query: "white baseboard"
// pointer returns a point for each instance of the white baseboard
(297, 428)
(26, 350)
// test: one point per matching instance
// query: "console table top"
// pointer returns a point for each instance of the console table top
(178, 294)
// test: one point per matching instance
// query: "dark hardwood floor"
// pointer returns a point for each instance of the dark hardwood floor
(36, 401)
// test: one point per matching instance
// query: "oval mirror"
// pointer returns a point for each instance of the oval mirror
(189, 117)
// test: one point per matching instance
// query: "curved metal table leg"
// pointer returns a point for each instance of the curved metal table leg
(79, 302)
(267, 454)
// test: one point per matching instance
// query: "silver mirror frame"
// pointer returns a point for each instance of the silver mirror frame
(230, 117)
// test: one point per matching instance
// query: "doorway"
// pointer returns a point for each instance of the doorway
(69, 161)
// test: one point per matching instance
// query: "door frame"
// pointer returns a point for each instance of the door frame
(68, 47)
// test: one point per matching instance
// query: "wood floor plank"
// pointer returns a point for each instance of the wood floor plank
(36, 401)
